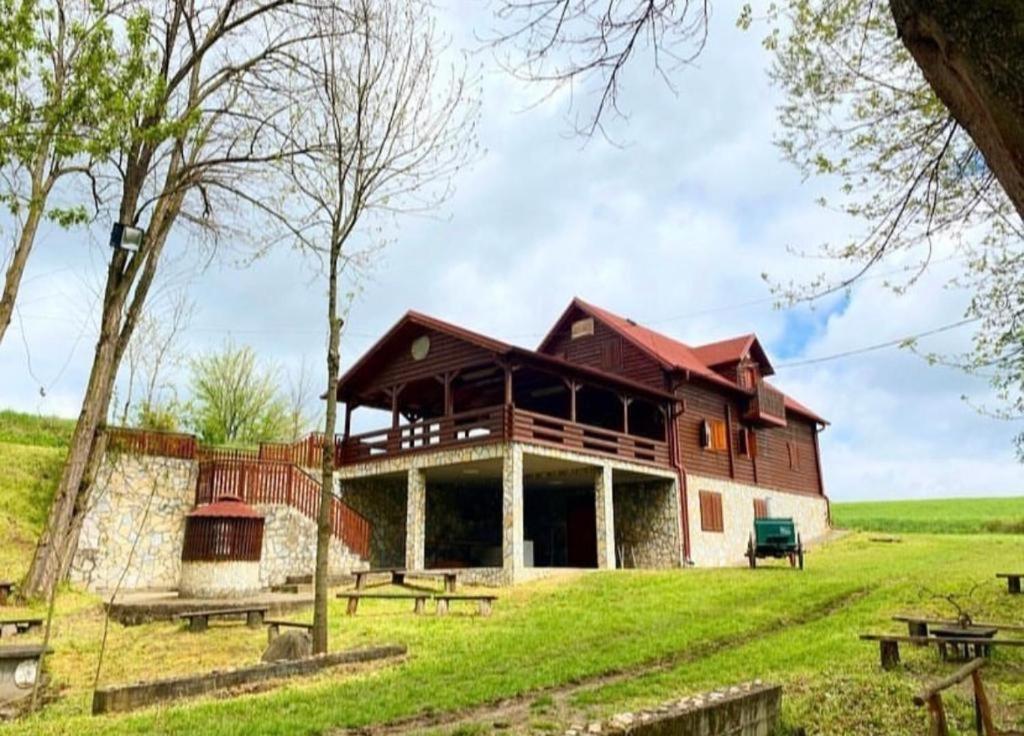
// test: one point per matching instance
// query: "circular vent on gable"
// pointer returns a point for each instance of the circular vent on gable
(420, 347)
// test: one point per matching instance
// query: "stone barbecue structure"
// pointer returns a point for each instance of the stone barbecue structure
(610, 445)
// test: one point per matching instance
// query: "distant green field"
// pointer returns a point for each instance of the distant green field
(935, 516)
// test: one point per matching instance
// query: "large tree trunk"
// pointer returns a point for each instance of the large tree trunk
(47, 562)
(972, 55)
(323, 533)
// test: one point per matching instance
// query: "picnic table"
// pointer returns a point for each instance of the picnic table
(398, 577)
(6, 588)
(889, 644)
(274, 627)
(960, 637)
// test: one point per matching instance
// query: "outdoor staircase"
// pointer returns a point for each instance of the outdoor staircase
(259, 481)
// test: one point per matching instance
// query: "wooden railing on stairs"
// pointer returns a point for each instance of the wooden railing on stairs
(258, 481)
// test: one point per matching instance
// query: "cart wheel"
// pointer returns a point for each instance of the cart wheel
(751, 556)
(800, 551)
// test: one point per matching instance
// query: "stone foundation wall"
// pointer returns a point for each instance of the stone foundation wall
(117, 515)
(226, 579)
(289, 547)
(647, 524)
(728, 547)
(383, 502)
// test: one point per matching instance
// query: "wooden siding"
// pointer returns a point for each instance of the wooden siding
(608, 351)
(770, 465)
(447, 352)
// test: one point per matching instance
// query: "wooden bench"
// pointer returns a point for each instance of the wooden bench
(354, 598)
(889, 645)
(275, 626)
(6, 588)
(484, 602)
(20, 625)
(932, 697)
(397, 575)
(1012, 581)
(199, 620)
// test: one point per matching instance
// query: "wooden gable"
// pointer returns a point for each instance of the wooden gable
(585, 340)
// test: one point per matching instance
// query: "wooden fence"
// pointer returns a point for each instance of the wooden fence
(150, 442)
(258, 481)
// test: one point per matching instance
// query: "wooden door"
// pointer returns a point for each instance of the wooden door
(581, 533)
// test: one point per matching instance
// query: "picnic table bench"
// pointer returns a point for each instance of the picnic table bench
(274, 627)
(484, 602)
(918, 625)
(199, 620)
(420, 599)
(20, 625)
(1012, 581)
(889, 645)
(6, 588)
(399, 576)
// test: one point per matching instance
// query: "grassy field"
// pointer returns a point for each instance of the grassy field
(938, 516)
(554, 643)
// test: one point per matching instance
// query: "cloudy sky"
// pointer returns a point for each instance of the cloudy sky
(672, 228)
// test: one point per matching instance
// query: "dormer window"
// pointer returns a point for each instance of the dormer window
(582, 328)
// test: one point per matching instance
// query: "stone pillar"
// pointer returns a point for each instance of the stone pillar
(605, 518)
(512, 511)
(415, 520)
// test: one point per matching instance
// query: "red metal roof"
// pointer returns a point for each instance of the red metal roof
(227, 507)
(674, 354)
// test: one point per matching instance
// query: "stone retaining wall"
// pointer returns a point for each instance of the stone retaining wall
(289, 547)
(125, 485)
(750, 709)
(647, 524)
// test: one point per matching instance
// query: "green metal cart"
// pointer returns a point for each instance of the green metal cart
(778, 538)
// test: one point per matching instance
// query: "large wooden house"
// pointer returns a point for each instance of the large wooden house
(609, 445)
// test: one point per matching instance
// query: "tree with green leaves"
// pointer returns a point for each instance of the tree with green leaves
(235, 401)
(214, 116)
(68, 91)
(914, 108)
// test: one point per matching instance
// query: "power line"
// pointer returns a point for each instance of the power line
(878, 346)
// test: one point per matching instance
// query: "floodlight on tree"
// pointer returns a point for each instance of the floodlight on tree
(126, 237)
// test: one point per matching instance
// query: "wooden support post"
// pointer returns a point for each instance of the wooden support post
(728, 441)
(982, 709)
(508, 385)
(937, 717)
(348, 419)
(573, 387)
(626, 401)
(890, 653)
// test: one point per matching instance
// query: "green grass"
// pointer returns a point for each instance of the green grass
(938, 516)
(720, 626)
(28, 477)
(29, 429)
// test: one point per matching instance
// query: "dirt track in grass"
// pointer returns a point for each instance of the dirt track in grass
(554, 705)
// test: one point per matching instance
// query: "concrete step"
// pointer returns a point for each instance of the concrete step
(307, 581)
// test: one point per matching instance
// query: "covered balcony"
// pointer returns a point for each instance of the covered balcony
(504, 402)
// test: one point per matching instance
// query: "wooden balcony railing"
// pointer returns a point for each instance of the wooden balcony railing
(539, 428)
(277, 482)
(472, 427)
(767, 406)
(500, 424)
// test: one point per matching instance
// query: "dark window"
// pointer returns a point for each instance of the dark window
(711, 519)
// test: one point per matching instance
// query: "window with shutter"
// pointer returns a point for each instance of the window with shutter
(611, 354)
(713, 435)
(794, 455)
(748, 443)
(711, 517)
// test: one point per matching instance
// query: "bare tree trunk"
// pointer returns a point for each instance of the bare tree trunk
(972, 55)
(323, 532)
(37, 204)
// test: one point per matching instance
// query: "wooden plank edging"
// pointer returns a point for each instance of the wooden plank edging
(120, 698)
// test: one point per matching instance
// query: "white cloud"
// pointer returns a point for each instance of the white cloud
(682, 220)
